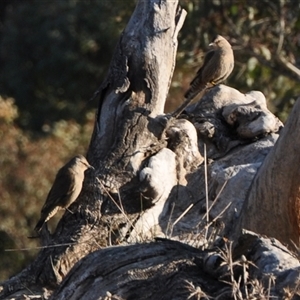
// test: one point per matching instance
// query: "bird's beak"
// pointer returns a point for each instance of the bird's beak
(211, 45)
(89, 166)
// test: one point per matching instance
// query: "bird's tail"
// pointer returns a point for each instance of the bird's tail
(189, 96)
(196, 87)
(39, 225)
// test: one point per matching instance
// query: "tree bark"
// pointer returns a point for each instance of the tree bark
(273, 203)
(126, 133)
(168, 269)
(150, 181)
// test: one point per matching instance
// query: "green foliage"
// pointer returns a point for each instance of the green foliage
(54, 60)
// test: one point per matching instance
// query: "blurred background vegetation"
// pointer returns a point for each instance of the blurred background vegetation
(54, 55)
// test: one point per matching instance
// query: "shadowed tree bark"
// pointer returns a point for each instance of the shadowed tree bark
(272, 207)
(150, 182)
(126, 133)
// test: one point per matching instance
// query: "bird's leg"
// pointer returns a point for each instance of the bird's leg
(211, 84)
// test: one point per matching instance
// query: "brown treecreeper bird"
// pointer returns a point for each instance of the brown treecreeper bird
(217, 66)
(65, 189)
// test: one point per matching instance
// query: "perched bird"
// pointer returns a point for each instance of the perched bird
(217, 66)
(65, 189)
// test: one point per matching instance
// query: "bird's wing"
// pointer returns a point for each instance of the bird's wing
(207, 58)
(63, 186)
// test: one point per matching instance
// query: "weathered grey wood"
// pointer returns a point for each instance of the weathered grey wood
(234, 162)
(150, 181)
(167, 270)
(226, 118)
(172, 270)
(136, 272)
(126, 133)
(272, 207)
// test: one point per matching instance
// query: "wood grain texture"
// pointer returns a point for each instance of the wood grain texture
(272, 207)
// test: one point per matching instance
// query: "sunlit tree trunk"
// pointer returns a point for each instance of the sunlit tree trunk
(126, 133)
(273, 204)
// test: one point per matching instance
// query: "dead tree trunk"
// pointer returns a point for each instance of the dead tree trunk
(273, 205)
(126, 133)
(150, 181)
